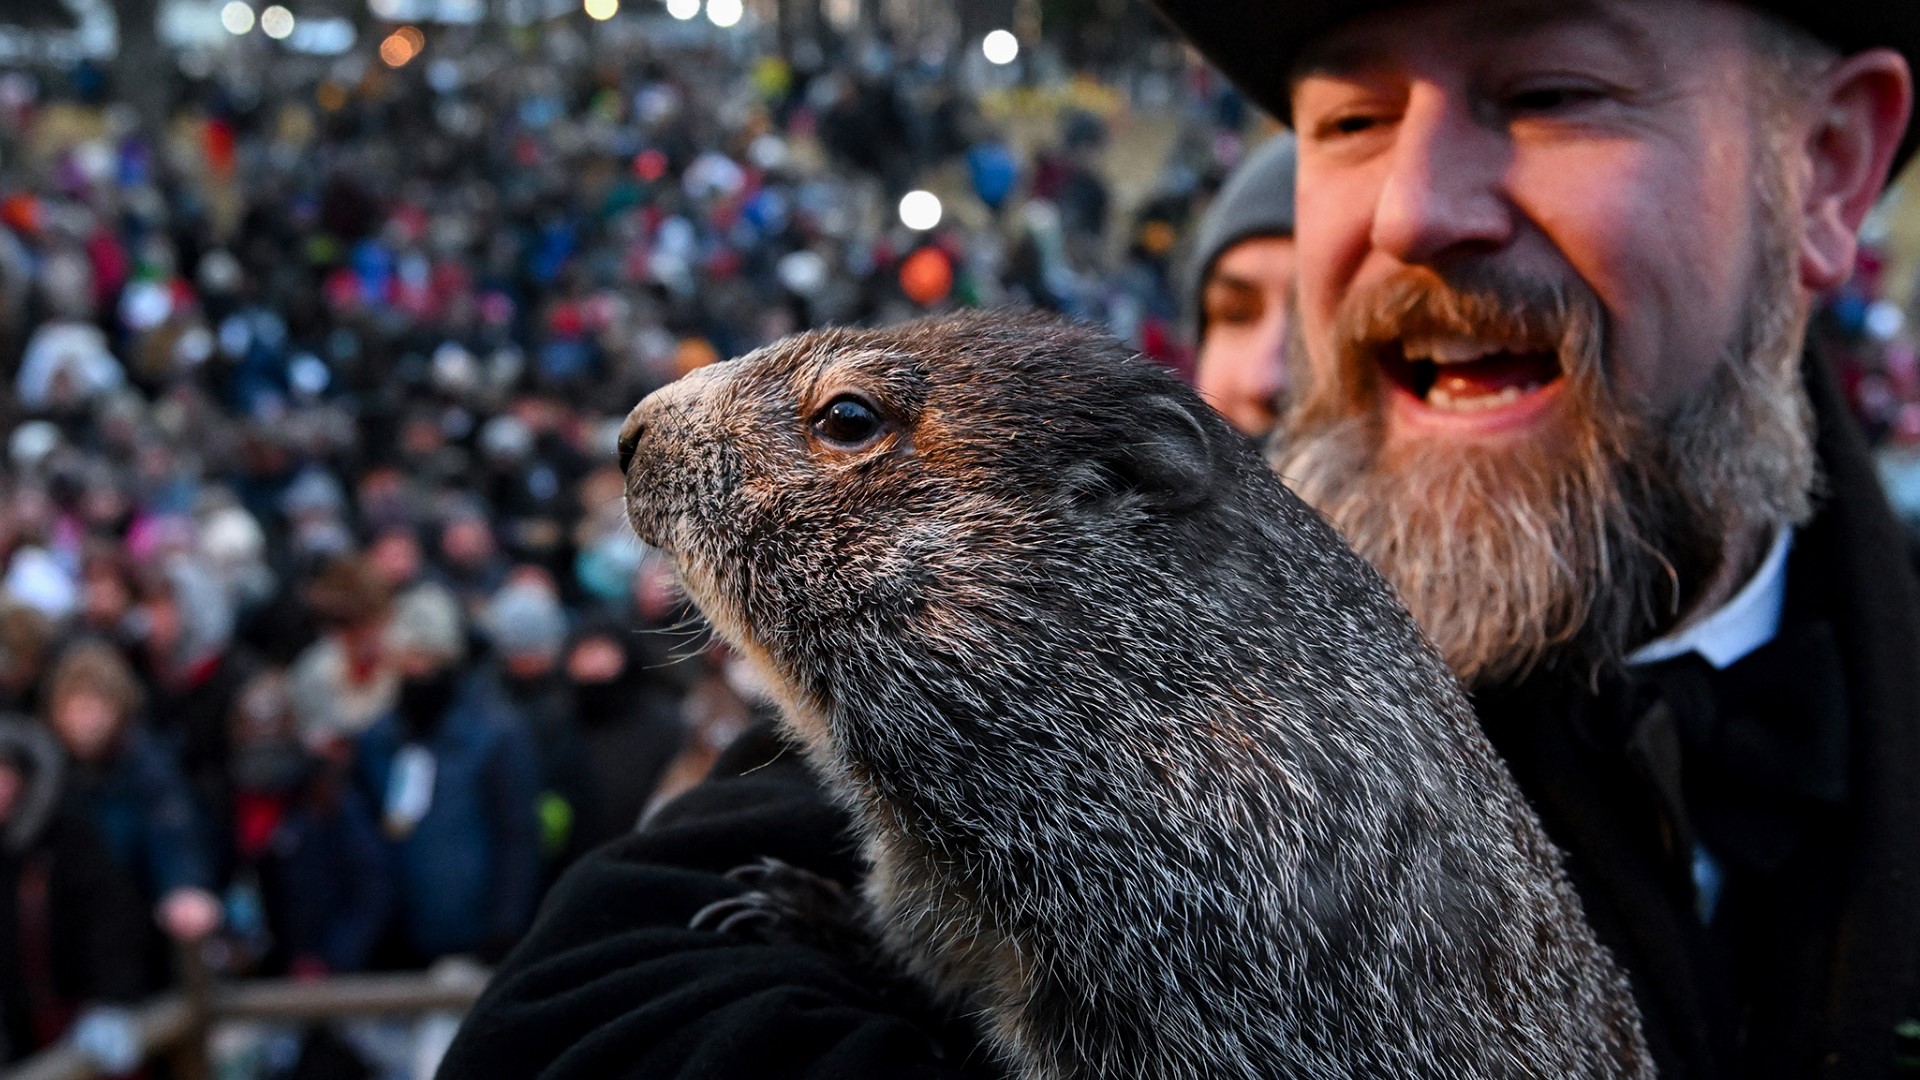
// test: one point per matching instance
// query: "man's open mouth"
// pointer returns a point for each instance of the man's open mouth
(1463, 374)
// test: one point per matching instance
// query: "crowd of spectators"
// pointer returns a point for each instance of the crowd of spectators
(324, 645)
(1865, 327)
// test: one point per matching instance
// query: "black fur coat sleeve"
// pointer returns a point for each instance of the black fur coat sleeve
(611, 983)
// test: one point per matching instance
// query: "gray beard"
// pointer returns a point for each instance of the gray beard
(1566, 551)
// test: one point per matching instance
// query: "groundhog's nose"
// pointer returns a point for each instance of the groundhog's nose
(630, 437)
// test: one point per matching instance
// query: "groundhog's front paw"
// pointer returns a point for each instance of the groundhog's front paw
(785, 904)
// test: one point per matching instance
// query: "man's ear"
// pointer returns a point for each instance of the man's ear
(1858, 115)
(1170, 459)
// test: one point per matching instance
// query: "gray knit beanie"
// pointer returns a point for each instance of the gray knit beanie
(1257, 200)
(525, 619)
(426, 618)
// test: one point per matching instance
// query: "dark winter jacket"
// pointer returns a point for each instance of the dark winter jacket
(610, 983)
(469, 871)
(192, 715)
(72, 927)
(546, 706)
(632, 731)
(1810, 965)
(331, 881)
(141, 804)
(1809, 969)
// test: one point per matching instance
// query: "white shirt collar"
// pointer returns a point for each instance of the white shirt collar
(1737, 627)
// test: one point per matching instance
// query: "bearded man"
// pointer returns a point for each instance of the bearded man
(1556, 260)
(1556, 267)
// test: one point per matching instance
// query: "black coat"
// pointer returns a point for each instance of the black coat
(611, 984)
(633, 732)
(73, 932)
(1813, 964)
(193, 720)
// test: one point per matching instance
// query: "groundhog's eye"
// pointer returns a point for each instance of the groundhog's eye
(848, 422)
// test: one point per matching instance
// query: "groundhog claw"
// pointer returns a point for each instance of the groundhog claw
(737, 914)
(772, 874)
(785, 904)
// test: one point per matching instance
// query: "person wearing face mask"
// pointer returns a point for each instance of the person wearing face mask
(453, 773)
(307, 856)
(192, 668)
(630, 721)
(1241, 284)
(527, 629)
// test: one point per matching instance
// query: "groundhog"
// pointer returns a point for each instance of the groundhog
(1153, 771)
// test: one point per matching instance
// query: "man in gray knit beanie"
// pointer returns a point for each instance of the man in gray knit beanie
(1240, 284)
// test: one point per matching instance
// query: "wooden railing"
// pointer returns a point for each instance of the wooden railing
(175, 1025)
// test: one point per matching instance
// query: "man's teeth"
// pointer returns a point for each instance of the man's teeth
(1442, 398)
(1451, 350)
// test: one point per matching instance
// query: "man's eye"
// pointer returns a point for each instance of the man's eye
(1350, 124)
(1551, 99)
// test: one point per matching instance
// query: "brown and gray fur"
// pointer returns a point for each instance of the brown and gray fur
(1151, 768)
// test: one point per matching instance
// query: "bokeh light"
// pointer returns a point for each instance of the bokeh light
(920, 210)
(331, 96)
(277, 23)
(401, 46)
(926, 276)
(1000, 47)
(236, 17)
(602, 9)
(683, 9)
(724, 13)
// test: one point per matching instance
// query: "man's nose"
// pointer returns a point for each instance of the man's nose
(1445, 190)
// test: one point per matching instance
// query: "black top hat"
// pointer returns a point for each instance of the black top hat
(1256, 42)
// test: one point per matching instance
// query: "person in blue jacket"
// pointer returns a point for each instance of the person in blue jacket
(452, 770)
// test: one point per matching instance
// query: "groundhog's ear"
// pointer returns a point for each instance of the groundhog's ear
(1168, 458)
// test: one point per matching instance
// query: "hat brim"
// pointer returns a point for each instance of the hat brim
(1256, 43)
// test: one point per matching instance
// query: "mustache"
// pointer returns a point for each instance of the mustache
(1484, 301)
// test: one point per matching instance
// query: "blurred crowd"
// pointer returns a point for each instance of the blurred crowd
(1866, 328)
(324, 645)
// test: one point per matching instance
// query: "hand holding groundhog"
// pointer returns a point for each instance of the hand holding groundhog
(1151, 769)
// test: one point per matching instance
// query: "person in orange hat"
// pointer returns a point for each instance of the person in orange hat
(1555, 266)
